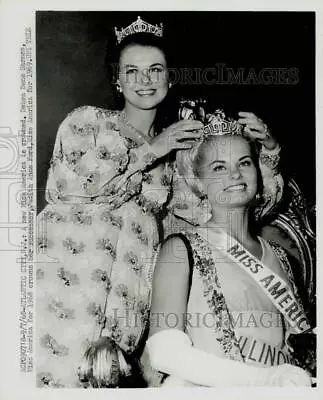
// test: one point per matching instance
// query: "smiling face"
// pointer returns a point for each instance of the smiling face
(227, 171)
(143, 76)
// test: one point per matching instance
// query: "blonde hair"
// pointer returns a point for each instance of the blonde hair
(189, 163)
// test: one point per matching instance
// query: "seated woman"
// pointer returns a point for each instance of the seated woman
(282, 209)
(224, 300)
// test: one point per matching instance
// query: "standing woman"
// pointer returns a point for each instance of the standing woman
(98, 235)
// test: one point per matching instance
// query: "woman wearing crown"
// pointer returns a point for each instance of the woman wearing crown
(187, 207)
(224, 317)
(98, 234)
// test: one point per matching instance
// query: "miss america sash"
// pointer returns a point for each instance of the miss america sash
(272, 285)
(258, 351)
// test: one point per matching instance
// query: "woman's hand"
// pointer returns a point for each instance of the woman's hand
(178, 136)
(256, 129)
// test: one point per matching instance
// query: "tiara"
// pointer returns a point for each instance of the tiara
(219, 124)
(138, 26)
(216, 123)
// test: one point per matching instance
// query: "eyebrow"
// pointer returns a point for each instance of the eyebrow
(136, 66)
(130, 66)
(153, 65)
(223, 162)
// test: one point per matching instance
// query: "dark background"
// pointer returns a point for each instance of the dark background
(71, 71)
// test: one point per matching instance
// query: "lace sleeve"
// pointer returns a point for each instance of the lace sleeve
(273, 183)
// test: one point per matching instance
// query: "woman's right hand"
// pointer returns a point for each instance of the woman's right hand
(288, 375)
(178, 136)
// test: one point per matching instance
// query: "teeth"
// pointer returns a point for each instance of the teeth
(235, 188)
(150, 91)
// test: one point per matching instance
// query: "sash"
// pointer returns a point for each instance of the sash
(275, 288)
(258, 351)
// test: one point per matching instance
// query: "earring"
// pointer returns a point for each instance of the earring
(170, 85)
(118, 87)
(204, 202)
(206, 212)
(258, 196)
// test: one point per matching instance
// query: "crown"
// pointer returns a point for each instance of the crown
(219, 124)
(216, 123)
(138, 26)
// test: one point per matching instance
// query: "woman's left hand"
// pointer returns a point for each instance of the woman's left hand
(256, 129)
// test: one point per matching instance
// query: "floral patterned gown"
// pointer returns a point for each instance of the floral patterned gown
(96, 240)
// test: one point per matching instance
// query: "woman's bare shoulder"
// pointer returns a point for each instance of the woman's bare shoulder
(175, 250)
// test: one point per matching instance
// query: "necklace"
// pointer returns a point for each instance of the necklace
(133, 128)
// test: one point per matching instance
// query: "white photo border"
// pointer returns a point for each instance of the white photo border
(15, 17)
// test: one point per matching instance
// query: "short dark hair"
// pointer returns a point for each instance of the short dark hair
(112, 58)
(140, 39)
